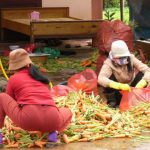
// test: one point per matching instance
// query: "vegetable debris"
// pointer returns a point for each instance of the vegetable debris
(92, 120)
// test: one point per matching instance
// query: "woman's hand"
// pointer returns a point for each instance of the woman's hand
(141, 84)
(119, 86)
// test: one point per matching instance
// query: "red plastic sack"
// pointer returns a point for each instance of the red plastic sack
(85, 81)
(133, 98)
(110, 31)
(99, 63)
(30, 47)
(60, 90)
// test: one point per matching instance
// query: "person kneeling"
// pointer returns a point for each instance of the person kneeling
(28, 102)
(121, 71)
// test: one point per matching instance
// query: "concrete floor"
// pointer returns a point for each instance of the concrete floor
(107, 144)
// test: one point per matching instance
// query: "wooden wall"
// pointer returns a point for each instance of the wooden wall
(20, 3)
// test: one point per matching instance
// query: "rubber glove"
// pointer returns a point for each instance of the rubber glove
(119, 86)
(141, 84)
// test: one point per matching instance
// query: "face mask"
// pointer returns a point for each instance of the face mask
(121, 61)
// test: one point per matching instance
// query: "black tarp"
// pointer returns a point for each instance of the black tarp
(140, 14)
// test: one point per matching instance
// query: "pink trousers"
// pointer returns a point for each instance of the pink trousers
(34, 117)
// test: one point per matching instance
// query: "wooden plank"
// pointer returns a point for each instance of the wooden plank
(22, 21)
(27, 21)
(15, 26)
(24, 13)
(54, 23)
(55, 28)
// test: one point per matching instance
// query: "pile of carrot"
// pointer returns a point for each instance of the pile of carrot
(15, 137)
(95, 120)
(92, 120)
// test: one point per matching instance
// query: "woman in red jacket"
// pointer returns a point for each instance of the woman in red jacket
(28, 102)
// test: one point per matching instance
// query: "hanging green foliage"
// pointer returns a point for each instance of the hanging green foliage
(109, 15)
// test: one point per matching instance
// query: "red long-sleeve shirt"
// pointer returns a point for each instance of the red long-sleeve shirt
(26, 90)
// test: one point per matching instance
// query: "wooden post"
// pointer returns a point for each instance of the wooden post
(1, 29)
(121, 9)
(97, 9)
(31, 32)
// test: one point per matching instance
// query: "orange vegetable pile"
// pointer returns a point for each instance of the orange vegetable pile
(15, 137)
(95, 120)
(92, 120)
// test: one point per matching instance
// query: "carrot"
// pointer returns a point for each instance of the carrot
(44, 70)
(40, 143)
(78, 130)
(108, 117)
(86, 135)
(31, 145)
(77, 114)
(112, 128)
(136, 132)
(147, 112)
(140, 112)
(83, 140)
(60, 61)
(13, 145)
(100, 132)
(83, 122)
(75, 138)
(17, 128)
(147, 126)
(17, 136)
(86, 63)
(120, 135)
(117, 125)
(99, 137)
(7, 140)
(82, 109)
(65, 138)
(91, 125)
(101, 116)
(108, 131)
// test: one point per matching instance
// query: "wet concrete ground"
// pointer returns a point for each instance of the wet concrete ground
(105, 144)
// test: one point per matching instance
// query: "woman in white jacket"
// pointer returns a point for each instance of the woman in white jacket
(120, 71)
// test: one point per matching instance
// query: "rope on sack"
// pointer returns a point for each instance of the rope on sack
(50, 85)
(3, 70)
